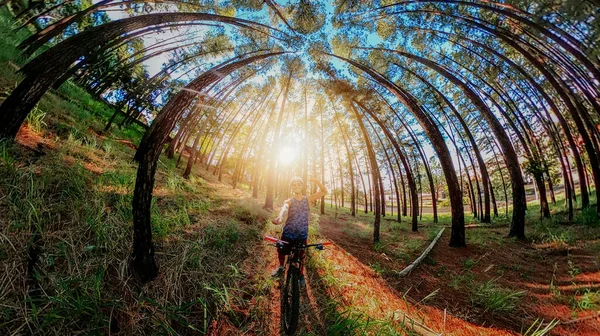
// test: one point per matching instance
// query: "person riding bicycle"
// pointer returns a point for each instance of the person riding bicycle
(295, 230)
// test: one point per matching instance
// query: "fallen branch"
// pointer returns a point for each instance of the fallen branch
(409, 322)
(415, 263)
(471, 226)
(589, 317)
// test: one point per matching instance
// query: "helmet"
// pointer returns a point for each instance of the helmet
(296, 179)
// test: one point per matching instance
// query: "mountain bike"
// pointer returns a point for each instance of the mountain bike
(290, 296)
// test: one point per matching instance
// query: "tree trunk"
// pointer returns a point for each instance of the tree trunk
(322, 164)
(510, 156)
(142, 259)
(374, 173)
(351, 171)
(409, 177)
(193, 153)
(43, 71)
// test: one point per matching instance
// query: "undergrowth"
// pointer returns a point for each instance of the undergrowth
(493, 298)
(65, 239)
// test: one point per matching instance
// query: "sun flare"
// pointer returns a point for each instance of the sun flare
(287, 155)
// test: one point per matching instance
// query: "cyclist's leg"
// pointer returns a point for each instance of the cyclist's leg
(281, 253)
(302, 255)
(281, 256)
(285, 250)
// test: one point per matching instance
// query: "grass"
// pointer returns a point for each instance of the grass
(537, 328)
(589, 300)
(65, 229)
(589, 217)
(82, 221)
(496, 299)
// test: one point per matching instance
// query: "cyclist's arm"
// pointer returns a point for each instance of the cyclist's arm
(322, 191)
(284, 209)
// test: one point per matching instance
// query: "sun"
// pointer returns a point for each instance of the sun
(287, 155)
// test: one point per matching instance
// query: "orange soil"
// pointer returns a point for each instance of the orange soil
(33, 140)
(534, 272)
(370, 285)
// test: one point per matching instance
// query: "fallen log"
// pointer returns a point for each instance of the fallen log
(415, 263)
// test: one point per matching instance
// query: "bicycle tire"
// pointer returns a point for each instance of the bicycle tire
(290, 301)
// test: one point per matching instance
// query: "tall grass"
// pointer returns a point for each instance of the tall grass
(496, 299)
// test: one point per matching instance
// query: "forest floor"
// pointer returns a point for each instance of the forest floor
(552, 279)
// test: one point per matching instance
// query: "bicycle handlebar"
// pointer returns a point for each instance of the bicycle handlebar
(275, 240)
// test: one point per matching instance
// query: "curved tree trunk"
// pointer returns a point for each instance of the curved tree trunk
(43, 71)
(142, 260)
(485, 216)
(411, 182)
(374, 173)
(510, 156)
(193, 154)
(457, 236)
(351, 171)
(542, 92)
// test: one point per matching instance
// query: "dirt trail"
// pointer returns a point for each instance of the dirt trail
(310, 320)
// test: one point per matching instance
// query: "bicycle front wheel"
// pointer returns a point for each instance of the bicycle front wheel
(290, 300)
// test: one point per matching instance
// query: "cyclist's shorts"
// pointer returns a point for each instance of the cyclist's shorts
(287, 248)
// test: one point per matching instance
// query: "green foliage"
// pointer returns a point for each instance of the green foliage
(590, 300)
(549, 231)
(534, 167)
(573, 270)
(222, 236)
(461, 280)
(589, 217)
(379, 247)
(378, 268)
(307, 16)
(537, 328)
(496, 299)
(468, 264)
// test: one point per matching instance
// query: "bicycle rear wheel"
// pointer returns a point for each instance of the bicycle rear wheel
(290, 300)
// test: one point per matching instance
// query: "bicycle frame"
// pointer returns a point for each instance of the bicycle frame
(290, 298)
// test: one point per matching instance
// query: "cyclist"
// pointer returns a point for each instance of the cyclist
(295, 230)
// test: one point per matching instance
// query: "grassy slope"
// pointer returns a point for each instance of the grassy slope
(65, 228)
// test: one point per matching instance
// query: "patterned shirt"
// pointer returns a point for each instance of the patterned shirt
(296, 225)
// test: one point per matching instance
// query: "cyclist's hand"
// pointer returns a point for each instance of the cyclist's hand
(276, 220)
